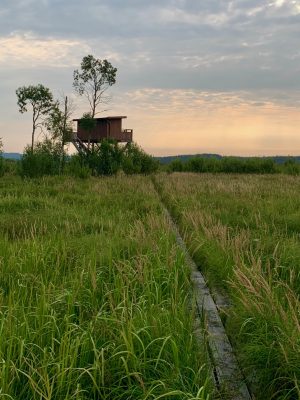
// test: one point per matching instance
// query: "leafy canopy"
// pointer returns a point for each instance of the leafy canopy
(93, 79)
(59, 124)
(39, 97)
(87, 122)
(41, 100)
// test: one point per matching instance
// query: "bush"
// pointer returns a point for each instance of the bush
(77, 168)
(176, 165)
(291, 167)
(10, 167)
(43, 160)
(2, 166)
(226, 165)
(105, 159)
(196, 164)
(136, 161)
(109, 158)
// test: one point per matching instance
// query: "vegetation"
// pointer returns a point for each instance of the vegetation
(93, 80)
(45, 159)
(243, 232)
(234, 165)
(107, 158)
(87, 265)
(2, 167)
(136, 161)
(59, 125)
(93, 292)
(87, 122)
(40, 99)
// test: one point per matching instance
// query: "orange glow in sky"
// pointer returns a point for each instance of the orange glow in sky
(193, 76)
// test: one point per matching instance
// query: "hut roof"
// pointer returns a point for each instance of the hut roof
(102, 118)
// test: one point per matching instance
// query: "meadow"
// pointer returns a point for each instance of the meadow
(243, 232)
(94, 294)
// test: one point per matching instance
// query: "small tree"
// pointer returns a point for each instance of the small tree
(60, 126)
(95, 77)
(41, 100)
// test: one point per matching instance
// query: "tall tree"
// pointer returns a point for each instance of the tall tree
(40, 99)
(93, 80)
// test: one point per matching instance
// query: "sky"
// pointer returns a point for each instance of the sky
(194, 76)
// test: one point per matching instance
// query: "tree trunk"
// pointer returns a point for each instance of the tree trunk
(33, 131)
(62, 156)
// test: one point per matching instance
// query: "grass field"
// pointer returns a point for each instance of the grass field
(243, 232)
(94, 290)
(94, 294)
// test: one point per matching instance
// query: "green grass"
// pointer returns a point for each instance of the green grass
(93, 294)
(243, 232)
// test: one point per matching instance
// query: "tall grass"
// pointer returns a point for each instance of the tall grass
(243, 232)
(93, 294)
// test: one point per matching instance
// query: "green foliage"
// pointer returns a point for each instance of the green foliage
(199, 164)
(107, 158)
(291, 167)
(225, 165)
(94, 78)
(2, 166)
(175, 166)
(94, 294)
(136, 161)
(87, 122)
(77, 167)
(40, 99)
(58, 124)
(10, 167)
(243, 232)
(43, 160)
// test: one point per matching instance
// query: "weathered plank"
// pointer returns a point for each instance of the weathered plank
(228, 377)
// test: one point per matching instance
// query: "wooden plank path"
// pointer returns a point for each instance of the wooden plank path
(228, 377)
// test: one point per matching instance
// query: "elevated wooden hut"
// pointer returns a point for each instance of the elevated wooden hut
(105, 128)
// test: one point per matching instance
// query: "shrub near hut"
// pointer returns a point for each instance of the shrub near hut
(136, 161)
(109, 158)
(106, 160)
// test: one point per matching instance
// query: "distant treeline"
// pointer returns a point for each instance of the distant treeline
(185, 157)
(234, 165)
(48, 159)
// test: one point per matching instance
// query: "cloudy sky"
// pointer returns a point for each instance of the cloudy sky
(194, 76)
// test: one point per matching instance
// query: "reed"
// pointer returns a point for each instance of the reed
(243, 232)
(93, 294)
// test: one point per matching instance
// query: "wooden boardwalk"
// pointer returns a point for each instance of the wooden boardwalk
(228, 378)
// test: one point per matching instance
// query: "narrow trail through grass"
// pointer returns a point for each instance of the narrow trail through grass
(228, 378)
(243, 232)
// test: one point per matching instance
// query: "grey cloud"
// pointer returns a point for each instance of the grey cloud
(207, 44)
